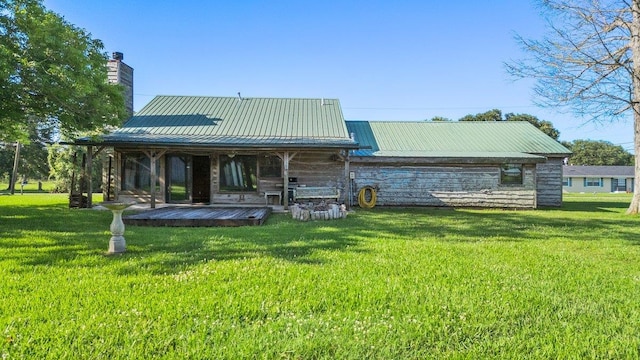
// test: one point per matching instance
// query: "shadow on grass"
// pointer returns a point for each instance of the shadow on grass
(53, 235)
(594, 206)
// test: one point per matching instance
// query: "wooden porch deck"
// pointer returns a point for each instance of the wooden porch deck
(200, 216)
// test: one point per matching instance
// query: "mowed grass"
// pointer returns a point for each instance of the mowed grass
(30, 187)
(383, 283)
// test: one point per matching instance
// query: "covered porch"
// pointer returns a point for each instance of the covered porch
(234, 176)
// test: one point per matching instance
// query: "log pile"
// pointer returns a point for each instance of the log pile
(318, 212)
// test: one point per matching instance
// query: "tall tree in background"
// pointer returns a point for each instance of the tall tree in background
(491, 115)
(590, 62)
(51, 71)
(496, 115)
(52, 75)
(590, 152)
(33, 155)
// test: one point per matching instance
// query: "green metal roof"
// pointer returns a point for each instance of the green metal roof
(503, 139)
(235, 121)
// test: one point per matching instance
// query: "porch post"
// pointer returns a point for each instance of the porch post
(153, 157)
(285, 189)
(117, 174)
(153, 179)
(89, 171)
(347, 182)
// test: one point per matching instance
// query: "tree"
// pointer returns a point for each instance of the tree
(496, 115)
(33, 155)
(544, 125)
(53, 73)
(439, 119)
(589, 62)
(590, 152)
(491, 115)
(66, 166)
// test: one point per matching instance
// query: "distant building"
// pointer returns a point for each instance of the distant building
(120, 73)
(598, 179)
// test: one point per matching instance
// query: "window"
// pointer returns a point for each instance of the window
(136, 172)
(270, 166)
(593, 182)
(238, 173)
(511, 174)
(566, 181)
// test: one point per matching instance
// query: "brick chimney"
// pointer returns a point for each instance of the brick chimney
(120, 73)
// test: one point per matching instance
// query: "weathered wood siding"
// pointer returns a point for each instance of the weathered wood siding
(549, 182)
(318, 169)
(473, 186)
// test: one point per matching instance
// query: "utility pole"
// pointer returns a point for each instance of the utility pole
(14, 175)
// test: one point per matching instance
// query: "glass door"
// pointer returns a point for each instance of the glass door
(178, 178)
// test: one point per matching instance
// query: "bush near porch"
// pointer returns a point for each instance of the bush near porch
(382, 283)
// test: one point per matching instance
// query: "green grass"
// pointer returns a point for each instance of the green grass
(383, 283)
(30, 187)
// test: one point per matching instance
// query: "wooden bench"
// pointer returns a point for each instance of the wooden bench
(277, 193)
(316, 192)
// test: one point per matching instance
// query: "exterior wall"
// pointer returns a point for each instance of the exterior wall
(318, 169)
(549, 182)
(578, 186)
(446, 185)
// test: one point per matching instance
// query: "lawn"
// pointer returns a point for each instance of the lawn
(32, 186)
(383, 283)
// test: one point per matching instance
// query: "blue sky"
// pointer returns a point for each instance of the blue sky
(384, 60)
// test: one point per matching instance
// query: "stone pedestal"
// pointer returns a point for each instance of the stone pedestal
(117, 243)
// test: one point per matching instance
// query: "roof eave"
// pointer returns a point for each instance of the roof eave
(446, 160)
(218, 145)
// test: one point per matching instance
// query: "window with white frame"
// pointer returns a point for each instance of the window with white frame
(592, 181)
(566, 181)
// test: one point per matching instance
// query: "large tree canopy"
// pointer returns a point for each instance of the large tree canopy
(590, 62)
(53, 72)
(591, 152)
(496, 115)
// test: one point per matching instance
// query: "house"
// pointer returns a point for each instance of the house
(235, 150)
(485, 164)
(597, 179)
(227, 150)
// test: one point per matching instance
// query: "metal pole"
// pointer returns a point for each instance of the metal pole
(109, 180)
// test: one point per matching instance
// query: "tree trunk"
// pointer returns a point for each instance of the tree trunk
(634, 207)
